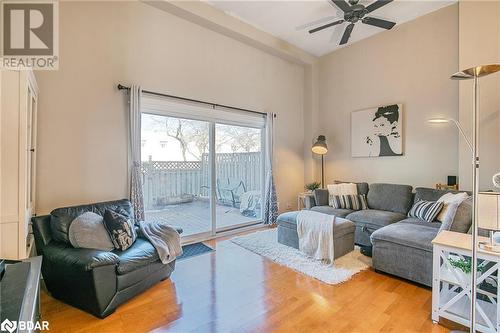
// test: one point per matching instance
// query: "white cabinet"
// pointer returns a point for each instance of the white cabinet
(18, 115)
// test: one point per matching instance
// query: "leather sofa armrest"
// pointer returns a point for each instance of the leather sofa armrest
(41, 231)
(309, 201)
(78, 259)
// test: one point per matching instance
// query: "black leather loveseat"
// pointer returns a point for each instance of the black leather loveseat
(93, 280)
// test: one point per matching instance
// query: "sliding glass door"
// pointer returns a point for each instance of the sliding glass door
(175, 167)
(204, 174)
(238, 166)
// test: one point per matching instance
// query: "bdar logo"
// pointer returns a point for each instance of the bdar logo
(8, 326)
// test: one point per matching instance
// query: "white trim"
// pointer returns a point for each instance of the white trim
(255, 226)
(213, 180)
(180, 109)
(9, 219)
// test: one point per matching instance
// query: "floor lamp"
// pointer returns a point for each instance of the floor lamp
(473, 73)
(321, 148)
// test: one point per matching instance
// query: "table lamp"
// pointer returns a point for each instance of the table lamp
(489, 218)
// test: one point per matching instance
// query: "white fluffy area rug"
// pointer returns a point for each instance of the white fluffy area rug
(266, 244)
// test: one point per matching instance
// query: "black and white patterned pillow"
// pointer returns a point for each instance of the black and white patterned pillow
(120, 229)
(426, 210)
(351, 201)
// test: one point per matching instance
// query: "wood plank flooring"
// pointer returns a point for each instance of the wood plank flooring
(235, 290)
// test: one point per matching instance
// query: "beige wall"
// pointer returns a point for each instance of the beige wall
(410, 64)
(82, 120)
(480, 44)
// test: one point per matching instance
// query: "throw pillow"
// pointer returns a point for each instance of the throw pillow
(353, 202)
(426, 210)
(463, 217)
(87, 231)
(341, 189)
(120, 229)
(451, 202)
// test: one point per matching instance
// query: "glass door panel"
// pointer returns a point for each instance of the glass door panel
(238, 174)
(176, 172)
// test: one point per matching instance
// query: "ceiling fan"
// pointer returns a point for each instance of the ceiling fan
(354, 12)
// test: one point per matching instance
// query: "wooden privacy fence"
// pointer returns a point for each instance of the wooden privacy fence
(170, 182)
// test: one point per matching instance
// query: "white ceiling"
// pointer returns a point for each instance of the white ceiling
(283, 19)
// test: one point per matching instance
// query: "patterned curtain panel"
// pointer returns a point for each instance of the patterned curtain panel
(271, 200)
(136, 194)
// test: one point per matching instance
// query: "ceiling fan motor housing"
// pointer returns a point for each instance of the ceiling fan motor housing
(356, 13)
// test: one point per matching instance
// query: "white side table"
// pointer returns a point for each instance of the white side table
(451, 294)
(300, 199)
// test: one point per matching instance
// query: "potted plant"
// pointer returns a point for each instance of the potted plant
(312, 186)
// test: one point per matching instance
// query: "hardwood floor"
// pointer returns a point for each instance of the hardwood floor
(235, 290)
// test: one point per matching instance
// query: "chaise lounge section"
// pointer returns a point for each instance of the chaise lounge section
(404, 248)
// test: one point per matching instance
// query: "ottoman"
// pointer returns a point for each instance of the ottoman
(343, 233)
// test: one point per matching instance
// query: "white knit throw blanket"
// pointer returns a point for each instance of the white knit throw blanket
(315, 232)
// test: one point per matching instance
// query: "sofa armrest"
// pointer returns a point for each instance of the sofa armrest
(78, 259)
(41, 231)
(309, 201)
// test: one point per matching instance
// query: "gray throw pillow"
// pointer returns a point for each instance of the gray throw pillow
(87, 231)
(321, 197)
(462, 220)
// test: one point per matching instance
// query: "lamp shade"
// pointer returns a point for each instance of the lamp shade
(320, 146)
(489, 210)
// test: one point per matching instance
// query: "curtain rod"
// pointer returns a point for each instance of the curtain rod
(122, 87)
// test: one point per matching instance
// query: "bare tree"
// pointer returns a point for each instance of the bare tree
(193, 136)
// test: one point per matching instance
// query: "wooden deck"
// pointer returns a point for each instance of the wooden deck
(194, 217)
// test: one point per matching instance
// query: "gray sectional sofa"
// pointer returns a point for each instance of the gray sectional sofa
(400, 245)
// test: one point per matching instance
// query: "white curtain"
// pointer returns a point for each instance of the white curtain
(136, 194)
(271, 200)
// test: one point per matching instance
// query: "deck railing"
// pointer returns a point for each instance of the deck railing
(169, 182)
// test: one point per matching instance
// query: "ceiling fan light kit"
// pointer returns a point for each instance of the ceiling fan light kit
(355, 12)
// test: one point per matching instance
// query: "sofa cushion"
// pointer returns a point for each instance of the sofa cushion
(412, 232)
(362, 187)
(321, 197)
(61, 218)
(332, 211)
(430, 194)
(379, 218)
(140, 254)
(390, 197)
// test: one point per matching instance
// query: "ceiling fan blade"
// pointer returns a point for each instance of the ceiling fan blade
(315, 23)
(347, 34)
(378, 23)
(336, 34)
(344, 6)
(325, 26)
(376, 5)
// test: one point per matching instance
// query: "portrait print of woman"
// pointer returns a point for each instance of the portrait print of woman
(377, 132)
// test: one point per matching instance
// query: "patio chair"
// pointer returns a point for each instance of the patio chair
(230, 190)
